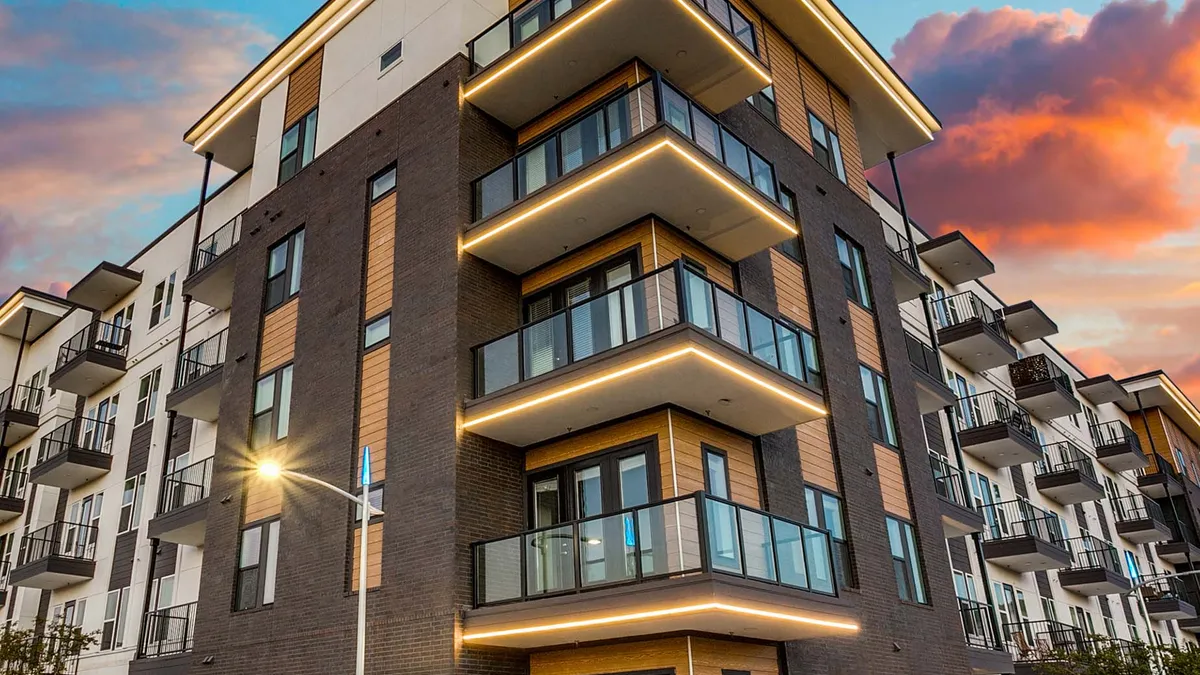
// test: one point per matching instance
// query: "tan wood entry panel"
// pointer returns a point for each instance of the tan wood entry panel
(622, 658)
(710, 657)
(373, 411)
(304, 88)
(866, 339)
(374, 556)
(891, 482)
(381, 257)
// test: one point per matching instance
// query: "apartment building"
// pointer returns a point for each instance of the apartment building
(602, 285)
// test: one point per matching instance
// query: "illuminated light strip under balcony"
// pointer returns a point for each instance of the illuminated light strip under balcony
(698, 163)
(571, 25)
(660, 613)
(637, 367)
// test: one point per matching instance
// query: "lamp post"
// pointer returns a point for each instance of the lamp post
(273, 470)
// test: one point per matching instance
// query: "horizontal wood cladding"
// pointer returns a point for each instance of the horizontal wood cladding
(374, 556)
(304, 88)
(711, 657)
(789, 95)
(640, 235)
(373, 410)
(381, 257)
(279, 336)
(617, 658)
(626, 77)
(264, 498)
(816, 91)
(891, 482)
(1166, 437)
(672, 245)
(843, 119)
(690, 434)
(791, 289)
(579, 445)
(866, 338)
(816, 454)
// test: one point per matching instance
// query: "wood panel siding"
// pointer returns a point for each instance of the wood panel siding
(755, 19)
(373, 411)
(381, 257)
(816, 454)
(304, 88)
(816, 91)
(791, 289)
(672, 245)
(691, 434)
(374, 556)
(580, 445)
(625, 78)
(789, 95)
(866, 338)
(617, 658)
(640, 235)
(1167, 437)
(711, 657)
(891, 482)
(843, 119)
(264, 498)
(279, 336)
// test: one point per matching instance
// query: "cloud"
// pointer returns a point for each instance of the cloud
(94, 99)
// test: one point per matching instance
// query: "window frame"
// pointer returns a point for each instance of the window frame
(119, 609)
(391, 57)
(817, 517)
(130, 514)
(881, 413)
(757, 99)
(373, 183)
(164, 294)
(831, 144)
(707, 451)
(856, 277)
(380, 341)
(609, 461)
(262, 567)
(306, 143)
(147, 401)
(278, 403)
(792, 247)
(291, 274)
(914, 570)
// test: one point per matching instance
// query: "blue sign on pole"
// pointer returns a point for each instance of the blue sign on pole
(366, 465)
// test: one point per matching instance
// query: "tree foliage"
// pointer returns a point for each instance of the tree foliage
(1106, 657)
(26, 652)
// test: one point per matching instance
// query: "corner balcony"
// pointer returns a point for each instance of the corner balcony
(1167, 599)
(972, 333)
(211, 277)
(197, 392)
(167, 636)
(692, 563)
(1043, 388)
(1140, 520)
(182, 513)
(1179, 551)
(959, 515)
(1161, 480)
(546, 50)
(994, 429)
(932, 392)
(20, 412)
(1118, 447)
(907, 277)
(987, 649)
(645, 151)
(1067, 475)
(92, 359)
(55, 556)
(1023, 538)
(669, 337)
(12, 494)
(1095, 569)
(75, 453)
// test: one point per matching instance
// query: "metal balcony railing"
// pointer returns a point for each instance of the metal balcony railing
(613, 123)
(1018, 519)
(993, 407)
(900, 245)
(12, 483)
(955, 310)
(923, 357)
(1116, 432)
(1037, 369)
(1041, 641)
(1063, 457)
(216, 244)
(59, 539)
(186, 486)
(1166, 588)
(22, 398)
(948, 481)
(1090, 553)
(666, 297)
(83, 433)
(685, 535)
(1136, 507)
(168, 631)
(979, 625)
(201, 359)
(101, 336)
(535, 17)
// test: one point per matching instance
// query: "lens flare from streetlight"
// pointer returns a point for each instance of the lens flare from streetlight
(270, 469)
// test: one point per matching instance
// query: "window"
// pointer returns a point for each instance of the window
(124, 318)
(826, 147)
(716, 473)
(147, 397)
(82, 527)
(16, 476)
(383, 183)
(825, 511)
(272, 408)
(71, 613)
(854, 270)
(1131, 565)
(298, 147)
(164, 294)
(791, 246)
(1110, 627)
(392, 56)
(377, 331)
(131, 503)
(905, 561)
(374, 498)
(163, 592)
(879, 406)
(116, 607)
(764, 102)
(284, 264)
(257, 558)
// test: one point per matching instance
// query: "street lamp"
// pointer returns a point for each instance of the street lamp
(272, 470)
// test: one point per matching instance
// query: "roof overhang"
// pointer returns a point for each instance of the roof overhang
(1156, 390)
(888, 115)
(46, 310)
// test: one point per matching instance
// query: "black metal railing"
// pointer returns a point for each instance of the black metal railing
(201, 359)
(1041, 641)
(101, 336)
(684, 535)
(1132, 508)
(22, 398)
(1065, 456)
(979, 625)
(12, 483)
(4, 569)
(955, 310)
(1091, 553)
(923, 357)
(1111, 434)
(993, 407)
(167, 631)
(81, 433)
(610, 124)
(948, 481)
(1160, 464)
(1166, 588)
(535, 17)
(901, 245)
(666, 297)
(1036, 369)
(186, 486)
(1018, 519)
(217, 244)
(59, 539)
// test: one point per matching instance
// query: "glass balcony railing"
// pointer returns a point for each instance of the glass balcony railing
(1133, 508)
(1037, 369)
(83, 433)
(1063, 457)
(59, 540)
(948, 481)
(664, 298)
(201, 359)
(1018, 519)
(535, 17)
(168, 631)
(216, 244)
(992, 407)
(610, 124)
(1110, 434)
(22, 398)
(101, 336)
(956, 310)
(685, 535)
(186, 486)
(1090, 553)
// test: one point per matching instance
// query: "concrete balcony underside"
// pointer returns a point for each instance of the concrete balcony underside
(88, 372)
(975, 345)
(177, 664)
(1069, 487)
(1026, 554)
(1047, 400)
(52, 573)
(1191, 625)
(958, 520)
(71, 468)
(1094, 581)
(1160, 485)
(1123, 456)
(21, 424)
(908, 282)
(213, 284)
(1144, 531)
(999, 445)
(200, 399)
(185, 525)
(989, 661)
(1178, 552)
(932, 393)
(11, 507)
(1168, 609)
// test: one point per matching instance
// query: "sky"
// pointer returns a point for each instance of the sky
(1070, 151)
